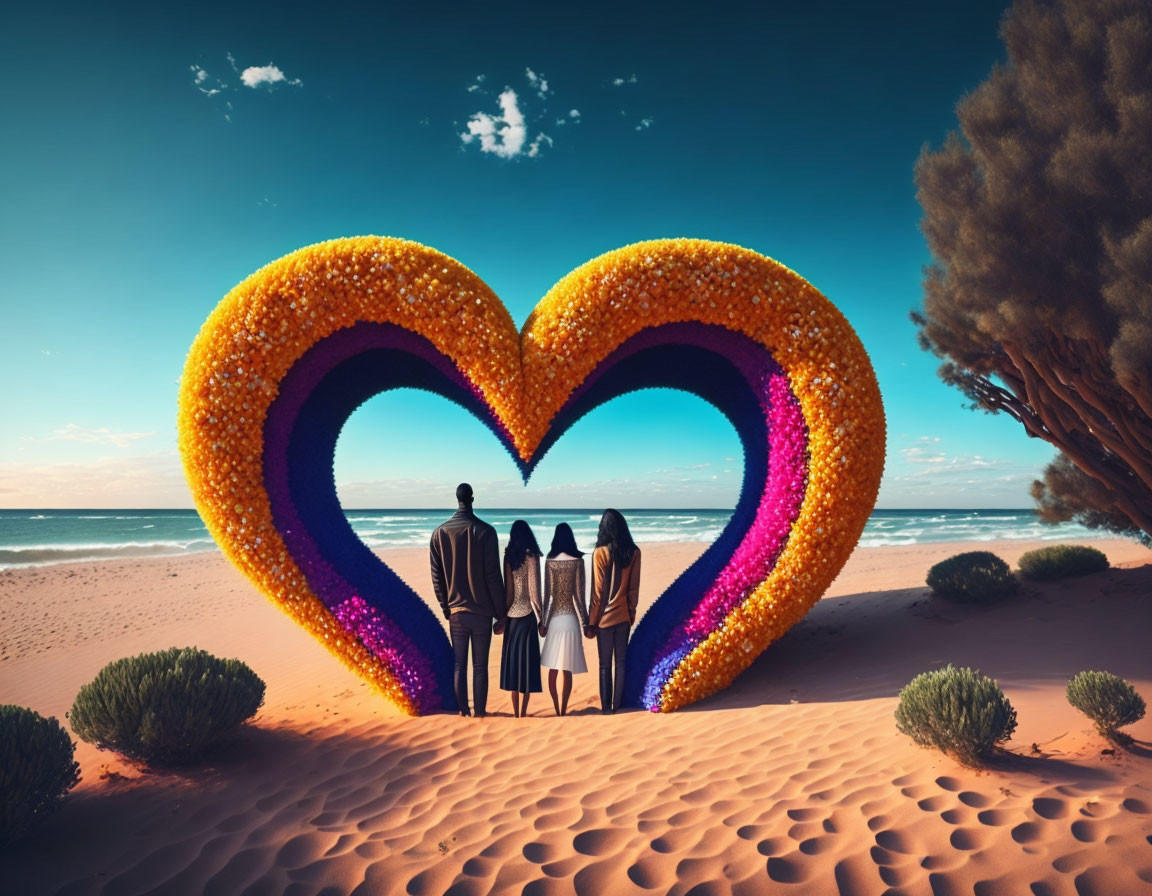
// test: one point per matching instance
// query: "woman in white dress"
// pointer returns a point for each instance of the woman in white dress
(565, 615)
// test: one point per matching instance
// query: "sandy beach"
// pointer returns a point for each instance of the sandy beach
(793, 780)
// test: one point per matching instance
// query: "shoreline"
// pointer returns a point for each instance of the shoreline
(33, 540)
(214, 550)
(794, 773)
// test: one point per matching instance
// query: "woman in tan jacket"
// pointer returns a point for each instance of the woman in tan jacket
(612, 607)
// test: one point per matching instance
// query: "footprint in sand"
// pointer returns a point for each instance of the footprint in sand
(539, 853)
(975, 800)
(895, 841)
(1086, 831)
(995, 818)
(969, 838)
(649, 873)
(599, 841)
(895, 867)
(854, 876)
(803, 831)
(955, 816)
(1026, 833)
(815, 846)
(895, 876)
(786, 870)
(774, 846)
(1047, 807)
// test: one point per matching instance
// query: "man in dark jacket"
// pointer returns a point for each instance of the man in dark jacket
(467, 582)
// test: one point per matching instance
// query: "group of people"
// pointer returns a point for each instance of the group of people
(481, 597)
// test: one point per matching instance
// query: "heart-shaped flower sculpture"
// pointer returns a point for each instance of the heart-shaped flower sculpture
(291, 352)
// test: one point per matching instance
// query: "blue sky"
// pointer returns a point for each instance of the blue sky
(153, 157)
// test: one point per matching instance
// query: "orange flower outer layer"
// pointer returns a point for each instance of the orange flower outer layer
(266, 323)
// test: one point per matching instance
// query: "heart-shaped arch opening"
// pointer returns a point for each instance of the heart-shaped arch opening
(690, 311)
(322, 389)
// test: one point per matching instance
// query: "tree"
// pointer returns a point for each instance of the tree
(1039, 219)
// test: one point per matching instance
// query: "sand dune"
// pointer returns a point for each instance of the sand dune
(794, 780)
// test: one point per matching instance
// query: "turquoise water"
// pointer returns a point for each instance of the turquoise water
(38, 537)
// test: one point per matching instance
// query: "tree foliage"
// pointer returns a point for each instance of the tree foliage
(1059, 561)
(36, 768)
(1108, 700)
(1039, 219)
(165, 707)
(958, 711)
(974, 577)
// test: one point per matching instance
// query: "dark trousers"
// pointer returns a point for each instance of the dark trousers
(474, 629)
(611, 643)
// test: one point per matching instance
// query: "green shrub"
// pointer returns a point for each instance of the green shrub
(1062, 560)
(1108, 700)
(958, 711)
(36, 768)
(972, 577)
(165, 707)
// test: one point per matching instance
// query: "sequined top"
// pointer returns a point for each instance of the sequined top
(564, 589)
(522, 587)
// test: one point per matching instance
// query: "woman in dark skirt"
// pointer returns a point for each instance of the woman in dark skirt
(520, 659)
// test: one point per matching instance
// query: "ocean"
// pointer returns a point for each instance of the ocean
(40, 537)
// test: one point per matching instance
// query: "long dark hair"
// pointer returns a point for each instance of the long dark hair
(564, 542)
(521, 545)
(615, 535)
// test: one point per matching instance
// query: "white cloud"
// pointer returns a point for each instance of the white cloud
(152, 480)
(534, 146)
(74, 432)
(512, 132)
(918, 454)
(620, 82)
(645, 123)
(537, 82)
(922, 475)
(503, 135)
(265, 76)
(924, 451)
(204, 82)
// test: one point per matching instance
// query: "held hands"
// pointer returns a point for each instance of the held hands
(498, 626)
(590, 631)
(543, 630)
